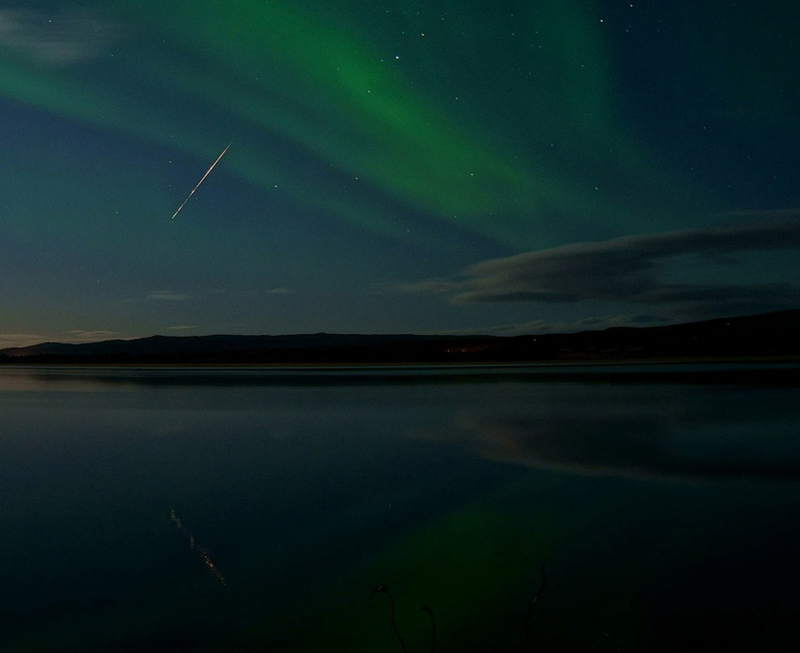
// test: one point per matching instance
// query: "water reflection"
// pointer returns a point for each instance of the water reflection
(121, 377)
(310, 489)
(203, 552)
(25, 379)
(633, 448)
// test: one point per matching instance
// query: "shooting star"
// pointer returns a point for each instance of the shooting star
(201, 181)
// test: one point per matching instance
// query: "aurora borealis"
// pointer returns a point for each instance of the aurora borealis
(383, 151)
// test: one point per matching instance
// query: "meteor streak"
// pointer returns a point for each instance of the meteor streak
(201, 181)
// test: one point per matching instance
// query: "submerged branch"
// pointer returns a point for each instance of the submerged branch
(429, 610)
(385, 590)
(530, 611)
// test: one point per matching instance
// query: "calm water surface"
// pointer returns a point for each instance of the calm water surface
(252, 510)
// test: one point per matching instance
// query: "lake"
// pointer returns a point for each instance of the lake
(257, 510)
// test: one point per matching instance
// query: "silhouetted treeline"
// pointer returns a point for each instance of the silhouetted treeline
(757, 336)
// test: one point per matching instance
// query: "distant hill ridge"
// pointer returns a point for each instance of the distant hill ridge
(765, 335)
(211, 344)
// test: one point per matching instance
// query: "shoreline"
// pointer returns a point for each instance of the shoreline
(776, 372)
(789, 359)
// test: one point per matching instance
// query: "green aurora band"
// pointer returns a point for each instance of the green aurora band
(381, 130)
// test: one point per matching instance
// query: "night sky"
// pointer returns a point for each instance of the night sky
(436, 166)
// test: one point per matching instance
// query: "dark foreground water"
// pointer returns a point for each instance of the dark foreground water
(246, 510)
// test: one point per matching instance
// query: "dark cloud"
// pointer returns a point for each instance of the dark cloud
(559, 326)
(167, 296)
(632, 269)
(645, 319)
(81, 335)
(670, 293)
(55, 38)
